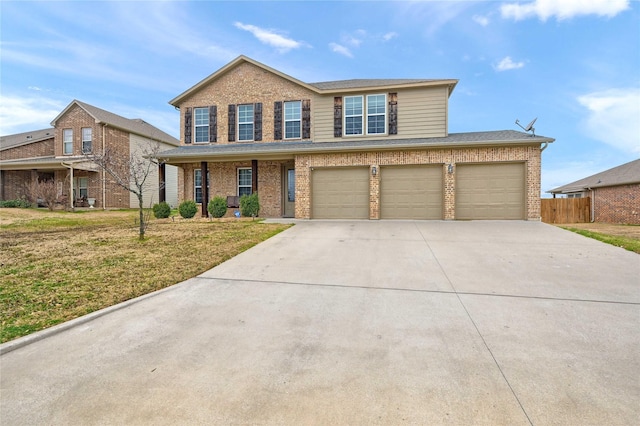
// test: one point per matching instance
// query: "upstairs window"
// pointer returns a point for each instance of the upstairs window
(86, 140)
(353, 115)
(376, 114)
(67, 141)
(245, 122)
(201, 123)
(292, 119)
(197, 185)
(244, 181)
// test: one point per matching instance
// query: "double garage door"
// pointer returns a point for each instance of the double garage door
(483, 191)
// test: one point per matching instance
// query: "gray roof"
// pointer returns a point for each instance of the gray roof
(19, 139)
(237, 150)
(628, 173)
(137, 125)
(365, 83)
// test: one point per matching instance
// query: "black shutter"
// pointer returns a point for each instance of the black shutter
(232, 123)
(337, 117)
(277, 120)
(257, 122)
(393, 113)
(187, 125)
(213, 123)
(306, 119)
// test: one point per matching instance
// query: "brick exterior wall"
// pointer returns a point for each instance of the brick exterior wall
(617, 204)
(528, 155)
(44, 148)
(245, 84)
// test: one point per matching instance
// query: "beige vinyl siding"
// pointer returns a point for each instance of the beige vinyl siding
(151, 191)
(422, 113)
(171, 185)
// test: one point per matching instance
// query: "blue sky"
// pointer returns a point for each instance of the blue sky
(573, 64)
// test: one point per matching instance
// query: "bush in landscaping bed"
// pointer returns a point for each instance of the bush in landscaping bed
(162, 210)
(19, 204)
(217, 207)
(188, 209)
(250, 205)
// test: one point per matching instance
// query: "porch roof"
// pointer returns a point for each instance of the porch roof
(287, 150)
(49, 163)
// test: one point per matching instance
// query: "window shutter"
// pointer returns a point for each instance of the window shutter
(213, 123)
(232, 123)
(187, 125)
(277, 120)
(257, 122)
(337, 117)
(393, 113)
(306, 119)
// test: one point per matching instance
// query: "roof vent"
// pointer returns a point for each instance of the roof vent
(529, 127)
(29, 137)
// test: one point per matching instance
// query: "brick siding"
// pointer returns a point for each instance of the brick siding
(617, 204)
(43, 148)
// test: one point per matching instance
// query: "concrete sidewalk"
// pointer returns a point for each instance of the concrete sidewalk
(371, 322)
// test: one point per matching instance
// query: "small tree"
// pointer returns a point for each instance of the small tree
(131, 173)
(250, 205)
(46, 191)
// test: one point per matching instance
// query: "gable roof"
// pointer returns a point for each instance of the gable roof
(25, 138)
(625, 174)
(326, 87)
(137, 125)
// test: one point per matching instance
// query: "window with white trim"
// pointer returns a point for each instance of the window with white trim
(86, 140)
(292, 119)
(197, 185)
(201, 124)
(353, 110)
(244, 181)
(376, 114)
(83, 184)
(245, 122)
(67, 141)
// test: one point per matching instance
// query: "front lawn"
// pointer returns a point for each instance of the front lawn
(56, 266)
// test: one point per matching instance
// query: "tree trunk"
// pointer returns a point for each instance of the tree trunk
(142, 224)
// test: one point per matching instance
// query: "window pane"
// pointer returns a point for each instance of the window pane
(244, 191)
(353, 125)
(201, 116)
(86, 133)
(376, 104)
(67, 137)
(244, 177)
(198, 195)
(198, 177)
(245, 132)
(353, 105)
(202, 134)
(292, 129)
(292, 110)
(375, 124)
(245, 114)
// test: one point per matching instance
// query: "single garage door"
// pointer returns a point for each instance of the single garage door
(340, 193)
(490, 191)
(411, 192)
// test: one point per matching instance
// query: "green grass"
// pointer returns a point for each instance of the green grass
(627, 243)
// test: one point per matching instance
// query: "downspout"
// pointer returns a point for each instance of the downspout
(70, 167)
(546, 144)
(104, 176)
(593, 205)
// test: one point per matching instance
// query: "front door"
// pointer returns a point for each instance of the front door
(289, 193)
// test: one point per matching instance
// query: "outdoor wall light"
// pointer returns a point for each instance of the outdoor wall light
(374, 170)
(450, 168)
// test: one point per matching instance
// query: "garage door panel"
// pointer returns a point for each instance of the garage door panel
(490, 191)
(411, 192)
(340, 193)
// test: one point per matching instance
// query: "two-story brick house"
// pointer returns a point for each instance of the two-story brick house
(61, 154)
(366, 149)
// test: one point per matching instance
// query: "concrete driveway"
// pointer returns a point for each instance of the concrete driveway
(372, 322)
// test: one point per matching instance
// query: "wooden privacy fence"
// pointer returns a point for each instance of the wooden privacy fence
(566, 210)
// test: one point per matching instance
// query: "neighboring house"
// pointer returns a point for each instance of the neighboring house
(60, 154)
(352, 149)
(614, 193)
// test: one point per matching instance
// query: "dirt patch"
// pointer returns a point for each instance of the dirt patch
(629, 231)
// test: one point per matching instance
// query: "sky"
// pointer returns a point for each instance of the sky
(572, 64)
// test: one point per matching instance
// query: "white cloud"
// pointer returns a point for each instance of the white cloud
(20, 114)
(390, 35)
(508, 64)
(338, 48)
(563, 9)
(271, 37)
(614, 117)
(482, 20)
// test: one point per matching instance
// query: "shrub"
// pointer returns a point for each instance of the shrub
(161, 210)
(217, 207)
(188, 209)
(19, 204)
(250, 205)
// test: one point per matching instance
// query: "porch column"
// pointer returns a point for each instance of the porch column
(205, 188)
(71, 196)
(254, 176)
(163, 187)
